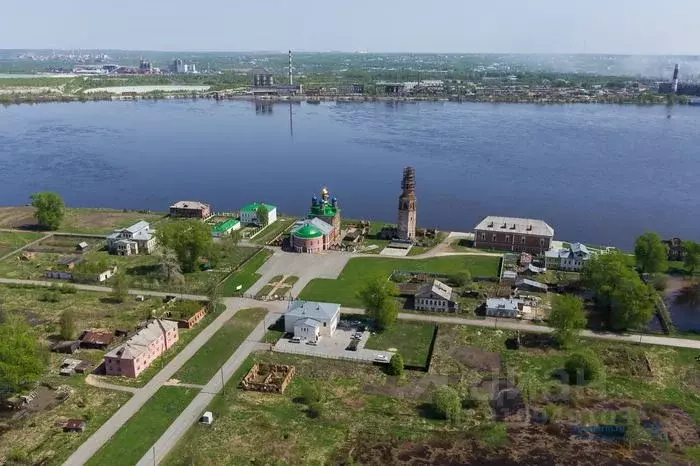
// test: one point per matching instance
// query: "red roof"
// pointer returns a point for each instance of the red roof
(97, 338)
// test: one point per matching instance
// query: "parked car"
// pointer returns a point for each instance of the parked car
(297, 339)
(312, 342)
(352, 346)
(381, 358)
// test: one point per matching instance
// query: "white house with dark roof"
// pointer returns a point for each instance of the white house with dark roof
(138, 238)
(310, 319)
(435, 296)
(572, 258)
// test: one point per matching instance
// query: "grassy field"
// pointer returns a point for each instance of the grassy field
(411, 339)
(369, 418)
(12, 240)
(37, 438)
(274, 230)
(246, 276)
(144, 271)
(358, 270)
(135, 437)
(210, 357)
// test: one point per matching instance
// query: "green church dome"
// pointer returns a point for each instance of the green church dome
(308, 231)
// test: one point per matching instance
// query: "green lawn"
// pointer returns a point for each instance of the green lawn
(412, 339)
(345, 288)
(103, 221)
(140, 432)
(273, 231)
(203, 365)
(11, 240)
(246, 276)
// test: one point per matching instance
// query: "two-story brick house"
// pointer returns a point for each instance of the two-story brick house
(139, 351)
(513, 234)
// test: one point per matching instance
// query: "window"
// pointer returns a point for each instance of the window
(324, 324)
(541, 241)
(493, 237)
(483, 236)
(522, 240)
(507, 238)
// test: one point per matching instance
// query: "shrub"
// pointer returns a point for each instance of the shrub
(447, 403)
(396, 365)
(51, 296)
(659, 282)
(583, 366)
(310, 394)
(68, 289)
(315, 410)
(460, 279)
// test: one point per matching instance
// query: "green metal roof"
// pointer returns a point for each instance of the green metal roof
(308, 231)
(224, 226)
(254, 207)
(326, 210)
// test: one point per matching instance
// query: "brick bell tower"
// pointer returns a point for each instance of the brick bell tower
(407, 206)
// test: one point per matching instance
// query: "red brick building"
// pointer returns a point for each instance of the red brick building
(513, 234)
(190, 209)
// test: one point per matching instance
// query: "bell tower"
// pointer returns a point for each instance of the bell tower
(407, 205)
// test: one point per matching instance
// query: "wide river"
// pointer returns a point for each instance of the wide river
(600, 174)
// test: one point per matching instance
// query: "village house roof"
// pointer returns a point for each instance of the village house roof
(193, 205)
(313, 310)
(531, 283)
(307, 323)
(436, 287)
(255, 206)
(225, 226)
(138, 344)
(504, 304)
(97, 338)
(515, 225)
(138, 226)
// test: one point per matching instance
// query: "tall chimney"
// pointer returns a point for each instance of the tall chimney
(675, 79)
(291, 80)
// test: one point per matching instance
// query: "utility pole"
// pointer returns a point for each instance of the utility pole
(223, 387)
(154, 456)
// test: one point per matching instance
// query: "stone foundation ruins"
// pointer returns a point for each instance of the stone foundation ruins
(268, 378)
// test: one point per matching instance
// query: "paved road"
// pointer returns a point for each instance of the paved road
(104, 289)
(196, 408)
(109, 428)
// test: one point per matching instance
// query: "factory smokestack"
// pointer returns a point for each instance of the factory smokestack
(291, 80)
(675, 79)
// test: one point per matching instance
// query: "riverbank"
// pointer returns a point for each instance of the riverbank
(8, 97)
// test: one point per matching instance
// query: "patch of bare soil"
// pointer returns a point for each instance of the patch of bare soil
(17, 217)
(626, 361)
(416, 389)
(530, 445)
(478, 359)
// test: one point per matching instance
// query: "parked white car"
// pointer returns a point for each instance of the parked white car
(381, 358)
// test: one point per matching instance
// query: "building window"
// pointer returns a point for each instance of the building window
(541, 241)
(324, 324)
(493, 237)
(507, 238)
(522, 240)
(483, 236)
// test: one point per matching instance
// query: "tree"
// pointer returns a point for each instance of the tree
(691, 258)
(120, 288)
(567, 317)
(447, 403)
(396, 364)
(22, 360)
(214, 301)
(189, 240)
(461, 279)
(67, 324)
(50, 209)
(619, 290)
(262, 213)
(651, 253)
(632, 305)
(377, 296)
(170, 267)
(583, 366)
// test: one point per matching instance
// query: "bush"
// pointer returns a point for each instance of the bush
(583, 367)
(18, 456)
(400, 277)
(51, 296)
(447, 403)
(460, 279)
(310, 394)
(396, 365)
(68, 289)
(659, 282)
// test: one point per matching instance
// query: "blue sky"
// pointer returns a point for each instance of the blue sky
(517, 26)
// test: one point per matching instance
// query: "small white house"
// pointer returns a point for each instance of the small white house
(503, 307)
(572, 258)
(138, 238)
(225, 228)
(249, 213)
(311, 320)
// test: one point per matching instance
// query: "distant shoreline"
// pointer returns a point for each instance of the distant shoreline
(12, 99)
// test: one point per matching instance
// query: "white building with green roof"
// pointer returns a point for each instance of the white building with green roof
(249, 213)
(225, 228)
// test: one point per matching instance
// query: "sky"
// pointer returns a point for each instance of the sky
(449, 26)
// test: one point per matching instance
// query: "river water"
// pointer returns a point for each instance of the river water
(601, 174)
